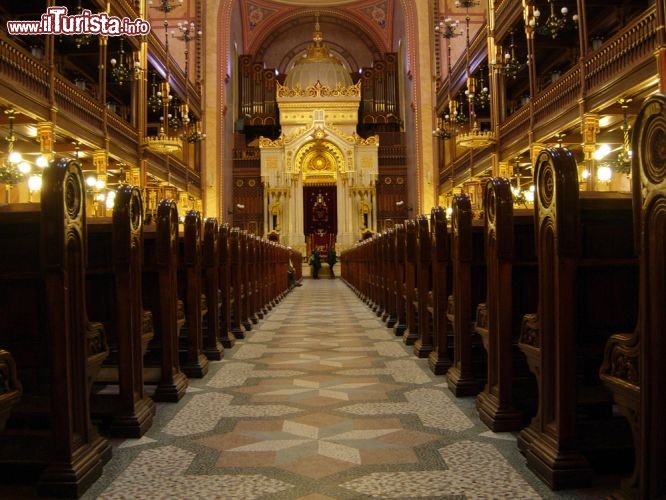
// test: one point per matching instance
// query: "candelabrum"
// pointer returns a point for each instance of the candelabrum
(448, 28)
(155, 98)
(442, 130)
(192, 127)
(165, 5)
(511, 65)
(123, 69)
(482, 97)
(554, 24)
(13, 169)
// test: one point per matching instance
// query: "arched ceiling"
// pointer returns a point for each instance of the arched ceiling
(276, 31)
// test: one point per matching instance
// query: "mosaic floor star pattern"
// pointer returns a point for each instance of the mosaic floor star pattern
(319, 401)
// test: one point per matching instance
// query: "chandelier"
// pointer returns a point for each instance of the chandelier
(163, 142)
(81, 39)
(447, 28)
(123, 69)
(482, 97)
(13, 169)
(441, 130)
(554, 24)
(624, 156)
(155, 98)
(192, 128)
(166, 5)
(474, 138)
(511, 65)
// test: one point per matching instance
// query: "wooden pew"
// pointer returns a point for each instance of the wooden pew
(409, 292)
(236, 279)
(246, 288)
(113, 290)
(439, 359)
(49, 434)
(160, 295)
(376, 267)
(511, 272)
(399, 276)
(193, 361)
(633, 366)
(213, 348)
(251, 278)
(226, 287)
(423, 345)
(388, 262)
(588, 282)
(10, 386)
(464, 378)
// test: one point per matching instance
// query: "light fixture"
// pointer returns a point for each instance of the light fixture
(604, 173)
(441, 130)
(155, 98)
(474, 138)
(446, 28)
(163, 142)
(83, 38)
(166, 5)
(482, 97)
(192, 127)
(624, 156)
(124, 69)
(554, 24)
(13, 169)
(511, 65)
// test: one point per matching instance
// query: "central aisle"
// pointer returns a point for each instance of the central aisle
(320, 401)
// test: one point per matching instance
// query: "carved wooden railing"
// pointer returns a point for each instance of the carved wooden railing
(77, 106)
(558, 98)
(124, 137)
(632, 46)
(25, 73)
(513, 129)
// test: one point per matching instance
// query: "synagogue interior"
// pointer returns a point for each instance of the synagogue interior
(482, 181)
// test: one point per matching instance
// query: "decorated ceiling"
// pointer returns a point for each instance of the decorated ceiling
(369, 20)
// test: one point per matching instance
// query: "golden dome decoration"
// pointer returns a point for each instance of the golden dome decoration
(319, 73)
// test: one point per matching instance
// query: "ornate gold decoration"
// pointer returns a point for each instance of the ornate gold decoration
(319, 90)
(163, 143)
(475, 138)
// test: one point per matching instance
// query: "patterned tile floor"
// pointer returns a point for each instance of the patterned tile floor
(320, 401)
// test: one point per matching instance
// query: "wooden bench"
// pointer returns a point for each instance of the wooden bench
(49, 434)
(633, 366)
(423, 298)
(238, 328)
(439, 359)
(411, 333)
(193, 361)
(399, 276)
(160, 295)
(213, 348)
(10, 386)
(465, 376)
(511, 273)
(226, 287)
(113, 291)
(588, 282)
(388, 262)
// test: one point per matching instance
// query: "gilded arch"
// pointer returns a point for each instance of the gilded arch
(319, 162)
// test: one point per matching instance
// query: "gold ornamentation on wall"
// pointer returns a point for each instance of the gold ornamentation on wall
(320, 90)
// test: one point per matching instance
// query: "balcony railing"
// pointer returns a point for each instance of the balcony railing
(23, 73)
(636, 43)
